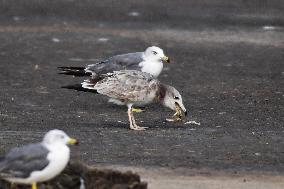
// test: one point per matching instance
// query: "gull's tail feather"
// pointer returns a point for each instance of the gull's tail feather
(89, 84)
(75, 71)
(79, 87)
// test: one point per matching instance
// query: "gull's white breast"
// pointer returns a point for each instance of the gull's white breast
(58, 159)
(152, 67)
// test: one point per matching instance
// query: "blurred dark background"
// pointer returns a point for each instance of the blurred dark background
(152, 13)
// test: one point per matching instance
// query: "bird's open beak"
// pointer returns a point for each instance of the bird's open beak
(166, 59)
(73, 141)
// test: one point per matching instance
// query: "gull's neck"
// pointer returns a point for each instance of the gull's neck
(153, 67)
(144, 56)
(54, 145)
(161, 93)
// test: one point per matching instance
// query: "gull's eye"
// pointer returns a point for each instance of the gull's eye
(154, 52)
(61, 136)
(176, 97)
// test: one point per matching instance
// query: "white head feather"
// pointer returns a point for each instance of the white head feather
(154, 54)
(56, 136)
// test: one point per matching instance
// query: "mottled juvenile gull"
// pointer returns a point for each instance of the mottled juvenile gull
(137, 88)
(37, 162)
(150, 61)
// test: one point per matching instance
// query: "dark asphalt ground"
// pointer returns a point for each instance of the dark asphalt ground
(227, 63)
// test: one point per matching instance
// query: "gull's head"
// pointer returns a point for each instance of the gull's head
(58, 137)
(155, 54)
(173, 99)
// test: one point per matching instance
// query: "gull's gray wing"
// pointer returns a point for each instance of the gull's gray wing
(20, 162)
(127, 85)
(128, 61)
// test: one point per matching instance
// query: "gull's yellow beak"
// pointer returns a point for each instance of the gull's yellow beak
(166, 59)
(73, 141)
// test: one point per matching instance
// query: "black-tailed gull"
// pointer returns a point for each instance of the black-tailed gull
(133, 87)
(150, 61)
(37, 162)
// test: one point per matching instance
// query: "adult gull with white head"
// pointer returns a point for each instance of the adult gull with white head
(149, 61)
(37, 162)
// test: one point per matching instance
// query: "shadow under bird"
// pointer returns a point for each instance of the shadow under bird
(137, 88)
(39, 162)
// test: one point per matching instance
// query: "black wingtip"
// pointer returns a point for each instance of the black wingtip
(75, 71)
(70, 68)
(78, 87)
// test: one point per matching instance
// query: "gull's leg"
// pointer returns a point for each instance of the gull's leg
(133, 124)
(138, 127)
(129, 112)
(34, 185)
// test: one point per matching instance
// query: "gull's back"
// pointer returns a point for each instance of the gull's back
(128, 61)
(128, 86)
(20, 162)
